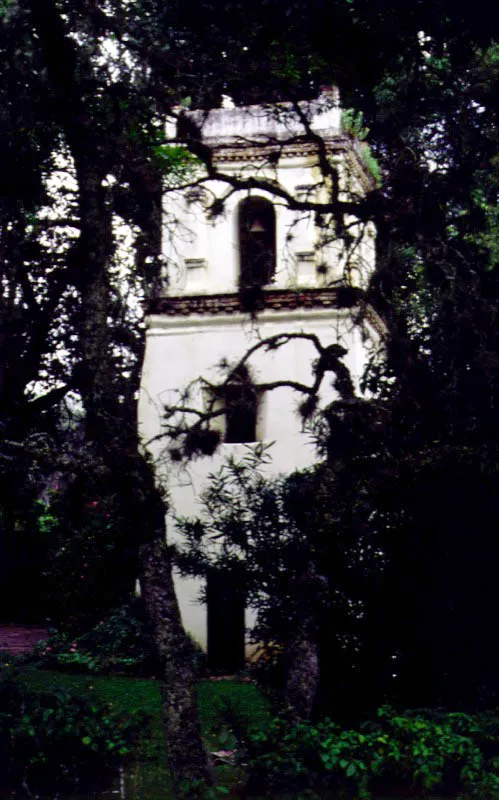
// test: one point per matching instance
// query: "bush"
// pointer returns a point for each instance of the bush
(55, 741)
(6, 659)
(423, 752)
(120, 642)
(298, 756)
(92, 564)
(417, 752)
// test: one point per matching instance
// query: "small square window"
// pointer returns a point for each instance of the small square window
(242, 417)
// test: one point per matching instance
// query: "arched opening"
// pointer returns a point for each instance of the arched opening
(257, 242)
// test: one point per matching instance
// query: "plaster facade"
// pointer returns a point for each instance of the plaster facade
(197, 319)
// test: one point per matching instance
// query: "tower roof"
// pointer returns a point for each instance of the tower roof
(261, 124)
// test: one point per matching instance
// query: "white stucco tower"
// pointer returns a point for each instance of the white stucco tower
(222, 244)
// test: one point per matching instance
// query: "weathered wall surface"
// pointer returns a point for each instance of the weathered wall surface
(179, 350)
(200, 322)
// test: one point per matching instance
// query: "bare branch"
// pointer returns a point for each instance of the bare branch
(191, 134)
(195, 438)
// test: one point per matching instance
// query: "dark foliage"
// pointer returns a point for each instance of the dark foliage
(397, 755)
(414, 474)
(53, 742)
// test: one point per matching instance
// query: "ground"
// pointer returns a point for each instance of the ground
(20, 639)
(147, 777)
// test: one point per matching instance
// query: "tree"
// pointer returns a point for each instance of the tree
(307, 572)
(428, 92)
(426, 83)
(94, 116)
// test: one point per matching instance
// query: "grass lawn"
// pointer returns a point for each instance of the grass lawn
(147, 777)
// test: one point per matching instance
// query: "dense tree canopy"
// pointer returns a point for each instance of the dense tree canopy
(416, 467)
(91, 83)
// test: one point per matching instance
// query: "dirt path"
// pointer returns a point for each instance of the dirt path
(20, 639)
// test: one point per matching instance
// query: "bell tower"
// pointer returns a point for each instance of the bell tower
(251, 251)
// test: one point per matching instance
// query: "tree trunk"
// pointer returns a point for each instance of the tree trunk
(187, 758)
(303, 671)
(302, 680)
(109, 425)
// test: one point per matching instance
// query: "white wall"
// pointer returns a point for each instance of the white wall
(213, 243)
(203, 258)
(180, 350)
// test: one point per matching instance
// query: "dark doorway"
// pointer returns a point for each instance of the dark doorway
(225, 599)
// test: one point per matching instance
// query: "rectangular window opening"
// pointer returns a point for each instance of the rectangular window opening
(242, 420)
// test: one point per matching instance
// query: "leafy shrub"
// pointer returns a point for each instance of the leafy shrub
(352, 122)
(371, 163)
(6, 659)
(425, 753)
(268, 670)
(416, 752)
(64, 652)
(298, 756)
(93, 543)
(55, 741)
(120, 642)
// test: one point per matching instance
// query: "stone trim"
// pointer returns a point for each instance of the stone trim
(251, 152)
(270, 300)
(163, 324)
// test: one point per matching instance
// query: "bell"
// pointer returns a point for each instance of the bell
(257, 226)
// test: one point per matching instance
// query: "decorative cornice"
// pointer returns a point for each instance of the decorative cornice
(247, 150)
(271, 300)
(251, 152)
